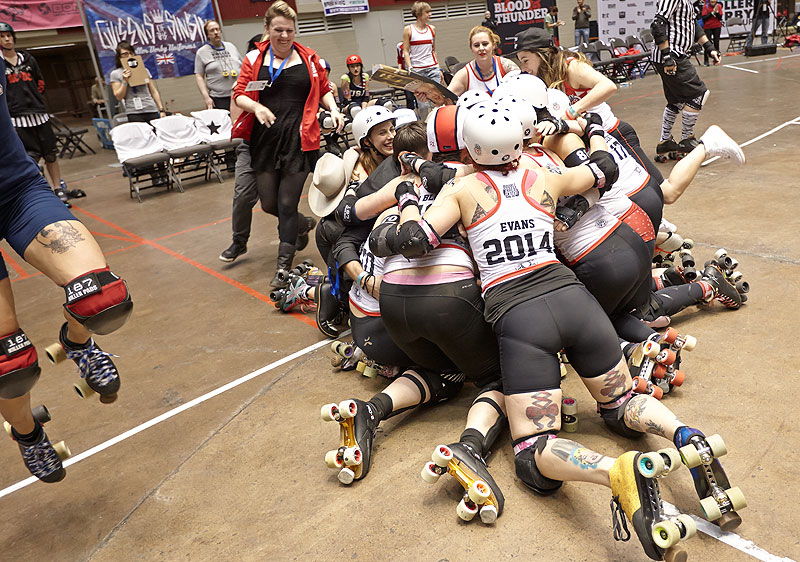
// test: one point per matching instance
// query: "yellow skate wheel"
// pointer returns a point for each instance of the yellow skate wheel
(690, 342)
(479, 492)
(360, 366)
(689, 528)
(55, 353)
(736, 498)
(7, 427)
(335, 347)
(651, 465)
(83, 389)
(441, 455)
(352, 456)
(346, 476)
(717, 446)
(429, 473)
(710, 508)
(666, 534)
(569, 406)
(348, 408)
(569, 423)
(63, 452)
(328, 412)
(466, 511)
(332, 459)
(691, 458)
(673, 458)
(489, 514)
(370, 372)
(651, 349)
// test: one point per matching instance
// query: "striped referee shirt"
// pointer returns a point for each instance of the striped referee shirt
(681, 27)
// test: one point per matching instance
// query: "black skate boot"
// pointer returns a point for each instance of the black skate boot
(666, 150)
(724, 291)
(41, 457)
(284, 264)
(357, 427)
(304, 226)
(686, 146)
(328, 310)
(59, 191)
(465, 464)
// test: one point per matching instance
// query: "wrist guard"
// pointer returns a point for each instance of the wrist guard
(406, 195)
(594, 125)
(572, 210)
(666, 58)
(411, 160)
(708, 47)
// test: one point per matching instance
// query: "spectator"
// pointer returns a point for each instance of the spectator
(355, 82)
(419, 44)
(97, 101)
(760, 19)
(25, 85)
(142, 103)
(581, 15)
(216, 65)
(488, 21)
(712, 24)
(552, 23)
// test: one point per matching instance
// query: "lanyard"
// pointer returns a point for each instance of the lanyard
(274, 75)
(494, 67)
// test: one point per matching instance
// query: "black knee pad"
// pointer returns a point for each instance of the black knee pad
(613, 414)
(19, 366)
(528, 472)
(99, 300)
(442, 386)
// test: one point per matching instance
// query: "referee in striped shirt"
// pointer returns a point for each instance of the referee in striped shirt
(675, 30)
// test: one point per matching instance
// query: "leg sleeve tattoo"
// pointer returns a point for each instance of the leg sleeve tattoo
(569, 451)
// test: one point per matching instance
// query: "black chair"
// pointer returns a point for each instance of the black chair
(647, 39)
(737, 40)
(69, 140)
(646, 63)
(450, 62)
(590, 53)
(629, 64)
(459, 66)
(609, 62)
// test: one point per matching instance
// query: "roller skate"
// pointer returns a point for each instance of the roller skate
(654, 363)
(730, 266)
(347, 355)
(294, 296)
(718, 143)
(569, 414)
(725, 291)
(636, 497)
(718, 499)
(686, 146)
(481, 493)
(61, 194)
(42, 458)
(98, 372)
(669, 244)
(71, 193)
(371, 368)
(667, 150)
(330, 310)
(357, 427)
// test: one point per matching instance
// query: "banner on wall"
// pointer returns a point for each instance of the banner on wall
(743, 9)
(620, 18)
(29, 15)
(514, 16)
(165, 33)
(336, 7)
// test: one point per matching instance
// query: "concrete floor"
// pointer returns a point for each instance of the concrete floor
(241, 475)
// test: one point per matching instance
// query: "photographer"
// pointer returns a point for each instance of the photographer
(142, 103)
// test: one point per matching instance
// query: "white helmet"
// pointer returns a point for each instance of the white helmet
(471, 97)
(526, 86)
(445, 125)
(404, 116)
(367, 119)
(557, 103)
(510, 74)
(493, 135)
(523, 110)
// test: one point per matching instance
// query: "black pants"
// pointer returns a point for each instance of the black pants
(713, 36)
(282, 191)
(650, 198)
(371, 336)
(222, 103)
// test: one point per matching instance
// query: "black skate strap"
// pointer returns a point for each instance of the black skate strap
(88, 285)
(619, 522)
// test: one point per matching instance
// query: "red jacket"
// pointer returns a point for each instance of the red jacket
(309, 127)
(712, 17)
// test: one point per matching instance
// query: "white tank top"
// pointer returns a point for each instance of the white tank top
(420, 49)
(632, 177)
(515, 237)
(373, 265)
(610, 120)
(475, 82)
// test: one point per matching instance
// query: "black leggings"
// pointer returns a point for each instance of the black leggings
(282, 191)
(531, 334)
(441, 327)
(671, 300)
(371, 336)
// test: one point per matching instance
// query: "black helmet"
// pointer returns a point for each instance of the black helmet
(7, 27)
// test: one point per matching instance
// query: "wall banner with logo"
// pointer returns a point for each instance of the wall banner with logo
(336, 7)
(514, 16)
(165, 33)
(28, 15)
(620, 18)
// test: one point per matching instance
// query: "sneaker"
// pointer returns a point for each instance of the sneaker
(234, 251)
(718, 143)
(61, 194)
(71, 193)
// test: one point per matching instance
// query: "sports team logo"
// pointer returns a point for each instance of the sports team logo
(510, 190)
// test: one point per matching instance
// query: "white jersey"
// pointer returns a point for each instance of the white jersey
(610, 120)
(476, 82)
(632, 178)
(515, 237)
(373, 265)
(420, 49)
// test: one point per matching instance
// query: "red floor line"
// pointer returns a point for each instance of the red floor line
(14, 265)
(777, 64)
(191, 229)
(30, 276)
(103, 235)
(122, 249)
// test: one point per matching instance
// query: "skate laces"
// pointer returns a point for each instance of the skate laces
(41, 459)
(297, 295)
(95, 364)
(619, 521)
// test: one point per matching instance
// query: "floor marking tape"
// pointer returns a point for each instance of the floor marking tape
(166, 415)
(765, 60)
(742, 69)
(759, 137)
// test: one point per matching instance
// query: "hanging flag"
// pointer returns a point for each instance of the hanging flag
(165, 59)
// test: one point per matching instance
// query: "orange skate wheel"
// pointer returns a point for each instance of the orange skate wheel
(666, 357)
(670, 335)
(659, 371)
(639, 385)
(657, 392)
(678, 378)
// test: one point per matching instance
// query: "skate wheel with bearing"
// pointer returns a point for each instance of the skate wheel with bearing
(466, 511)
(733, 265)
(691, 458)
(441, 456)
(83, 389)
(689, 343)
(41, 414)
(688, 243)
(736, 276)
(329, 412)
(651, 465)
(346, 476)
(659, 371)
(686, 525)
(488, 514)
(63, 452)
(736, 497)
(332, 459)
(429, 473)
(569, 406)
(569, 423)
(671, 457)
(678, 378)
(479, 492)
(55, 353)
(337, 361)
(651, 349)
(717, 446)
(666, 534)
(670, 335)
(666, 357)
(639, 385)
(743, 287)
(657, 392)
(348, 408)
(710, 508)
(352, 456)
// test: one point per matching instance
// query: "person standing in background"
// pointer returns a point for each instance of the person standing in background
(581, 15)
(488, 21)
(552, 23)
(216, 66)
(712, 24)
(419, 44)
(760, 19)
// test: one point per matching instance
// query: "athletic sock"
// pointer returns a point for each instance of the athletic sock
(31, 438)
(705, 290)
(689, 120)
(667, 123)
(382, 405)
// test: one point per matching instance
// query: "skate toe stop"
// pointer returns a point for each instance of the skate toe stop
(729, 521)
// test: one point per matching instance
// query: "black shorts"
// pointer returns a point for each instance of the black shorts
(683, 87)
(371, 336)
(441, 327)
(222, 103)
(39, 141)
(625, 134)
(531, 334)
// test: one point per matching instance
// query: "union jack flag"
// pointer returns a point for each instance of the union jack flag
(165, 59)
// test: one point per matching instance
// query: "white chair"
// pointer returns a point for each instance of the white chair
(141, 153)
(214, 126)
(185, 147)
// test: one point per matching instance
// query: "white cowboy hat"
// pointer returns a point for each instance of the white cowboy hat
(328, 182)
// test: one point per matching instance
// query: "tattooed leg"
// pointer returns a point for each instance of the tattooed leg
(566, 460)
(531, 413)
(611, 385)
(645, 413)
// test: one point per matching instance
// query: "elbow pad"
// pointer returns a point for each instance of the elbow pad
(605, 170)
(416, 239)
(658, 28)
(572, 210)
(345, 212)
(434, 176)
(383, 239)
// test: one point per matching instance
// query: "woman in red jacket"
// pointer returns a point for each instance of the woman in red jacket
(279, 89)
(712, 23)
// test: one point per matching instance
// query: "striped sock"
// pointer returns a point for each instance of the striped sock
(666, 125)
(689, 120)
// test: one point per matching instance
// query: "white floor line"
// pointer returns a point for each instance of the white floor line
(731, 539)
(737, 68)
(764, 60)
(166, 415)
(759, 137)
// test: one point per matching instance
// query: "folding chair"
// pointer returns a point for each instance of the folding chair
(647, 39)
(185, 147)
(609, 62)
(69, 140)
(214, 127)
(646, 62)
(141, 154)
(449, 63)
(629, 62)
(738, 39)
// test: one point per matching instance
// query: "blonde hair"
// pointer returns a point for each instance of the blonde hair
(419, 7)
(553, 68)
(282, 9)
(493, 37)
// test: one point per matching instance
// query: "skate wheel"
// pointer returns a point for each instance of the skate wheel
(283, 276)
(489, 514)
(639, 385)
(346, 476)
(429, 473)
(344, 349)
(678, 378)
(7, 427)
(352, 456)
(689, 343)
(308, 263)
(729, 521)
(441, 456)
(348, 408)
(569, 406)
(666, 357)
(83, 389)
(108, 398)
(55, 353)
(691, 458)
(687, 526)
(337, 361)
(736, 276)
(743, 287)
(335, 347)
(63, 452)
(657, 393)
(329, 412)
(479, 492)
(332, 459)
(666, 534)
(734, 264)
(670, 335)
(690, 274)
(719, 254)
(370, 372)
(710, 508)
(717, 446)
(671, 457)
(659, 371)
(651, 465)
(360, 366)
(744, 296)
(651, 349)
(736, 497)
(569, 423)
(466, 511)
(41, 414)
(276, 295)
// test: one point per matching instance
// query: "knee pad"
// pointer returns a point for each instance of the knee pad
(675, 107)
(99, 300)
(613, 415)
(698, 102)
(19, 365)
(525, 464)
(442, 386)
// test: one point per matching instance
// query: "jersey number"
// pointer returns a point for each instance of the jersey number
(515, 248)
